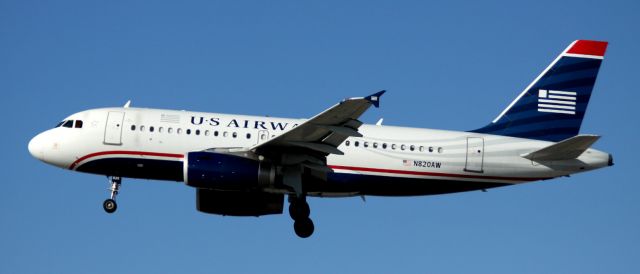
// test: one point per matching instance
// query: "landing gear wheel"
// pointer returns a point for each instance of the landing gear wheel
(299, 210)
(109, 205)
(303, 227)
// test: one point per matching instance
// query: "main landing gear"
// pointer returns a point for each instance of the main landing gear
(299, 211)
(110, 204)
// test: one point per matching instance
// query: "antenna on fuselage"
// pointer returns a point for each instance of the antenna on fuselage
(127, 104)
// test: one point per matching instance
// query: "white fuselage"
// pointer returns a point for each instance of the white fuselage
(387, 152)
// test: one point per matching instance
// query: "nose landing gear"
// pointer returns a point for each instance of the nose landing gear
(110, 204)
(299, 211)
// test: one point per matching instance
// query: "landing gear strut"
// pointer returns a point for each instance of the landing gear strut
(110, 204)
(299, 212)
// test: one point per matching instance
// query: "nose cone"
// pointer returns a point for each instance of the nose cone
(36, 147)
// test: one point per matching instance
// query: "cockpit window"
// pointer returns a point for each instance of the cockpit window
(68, 124)
(59, 124)
(78, 124)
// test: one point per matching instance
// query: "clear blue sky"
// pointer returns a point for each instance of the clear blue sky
(451, 66)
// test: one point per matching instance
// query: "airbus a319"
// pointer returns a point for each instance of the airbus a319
(245, 165)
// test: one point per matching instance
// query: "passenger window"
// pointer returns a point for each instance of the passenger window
(215, 133)
(402, 147)
(346, 143)
(197, 132)
(375, 145)
(225, 134)
(384, 145)
(170, 130)
(356, 143)
(160, 130)
(206, 133)
(188, 131)
(439, 149)
(141, 128)
(421, 148)
(365, 144)
(248, 135)
(430, 149)
(150, 129)
(78, 124)
(133, 127)
(179, 131)
(235, 134)
(393, 146)
(68, 124)
(263, 136)
(412, 147)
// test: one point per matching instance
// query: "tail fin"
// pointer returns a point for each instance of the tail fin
(551, 108)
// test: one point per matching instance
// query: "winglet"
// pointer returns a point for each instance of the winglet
(375, 98)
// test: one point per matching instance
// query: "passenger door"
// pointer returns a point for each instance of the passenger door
(113, 128)
(475, 154)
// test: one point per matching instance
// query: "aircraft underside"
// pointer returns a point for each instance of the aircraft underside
(258, 201)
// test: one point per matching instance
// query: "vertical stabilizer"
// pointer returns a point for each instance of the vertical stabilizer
(552, 107)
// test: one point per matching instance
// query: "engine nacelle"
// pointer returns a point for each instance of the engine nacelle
(238, 203)
(212, 170)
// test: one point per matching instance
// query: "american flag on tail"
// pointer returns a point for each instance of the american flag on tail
(556, 101)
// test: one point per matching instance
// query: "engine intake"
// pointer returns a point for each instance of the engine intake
(212, 170)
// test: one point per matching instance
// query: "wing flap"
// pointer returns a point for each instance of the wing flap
(346, 131)
(328, 149)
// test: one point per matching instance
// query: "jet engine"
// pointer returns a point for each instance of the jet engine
(222, 171)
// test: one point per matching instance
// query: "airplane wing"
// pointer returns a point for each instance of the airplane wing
(308, 144)
(324, 132)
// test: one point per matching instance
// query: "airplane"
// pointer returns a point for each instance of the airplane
(244, 165)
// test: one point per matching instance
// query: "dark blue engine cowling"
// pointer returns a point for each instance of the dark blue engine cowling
(221, 171)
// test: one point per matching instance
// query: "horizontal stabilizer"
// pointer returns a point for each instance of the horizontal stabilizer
(564, 150)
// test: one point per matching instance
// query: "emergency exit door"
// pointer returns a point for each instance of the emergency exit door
(475, 154)
(113, 129)
(263, 136)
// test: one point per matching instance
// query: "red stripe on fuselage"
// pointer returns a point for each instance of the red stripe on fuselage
(125, 152)
(410, 172)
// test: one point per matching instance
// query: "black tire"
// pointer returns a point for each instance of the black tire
(303, 227)
(299, 210)
(110, 206)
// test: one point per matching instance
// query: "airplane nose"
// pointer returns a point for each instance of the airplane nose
(36, 147)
